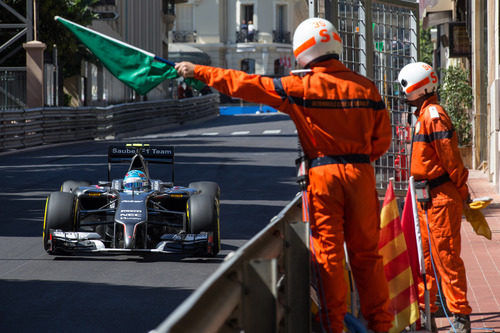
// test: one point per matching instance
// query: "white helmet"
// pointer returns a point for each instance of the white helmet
(417, 79)
(313, 38)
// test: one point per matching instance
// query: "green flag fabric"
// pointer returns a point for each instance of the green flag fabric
(137, 68)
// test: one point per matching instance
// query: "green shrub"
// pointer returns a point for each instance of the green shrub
(456, 97)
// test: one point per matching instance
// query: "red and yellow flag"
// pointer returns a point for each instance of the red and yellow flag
(392, 247)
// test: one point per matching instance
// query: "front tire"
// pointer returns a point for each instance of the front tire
(203, 216)
(59, 214)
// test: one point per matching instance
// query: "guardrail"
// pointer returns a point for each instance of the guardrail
(262, 287)
(33, 127)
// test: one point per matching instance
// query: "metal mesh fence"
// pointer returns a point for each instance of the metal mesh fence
(12, 89)
(380, 38)
(351, 26)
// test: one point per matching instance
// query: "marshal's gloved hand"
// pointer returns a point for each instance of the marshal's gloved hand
(473, 214)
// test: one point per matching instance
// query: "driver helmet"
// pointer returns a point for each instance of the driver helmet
(314, 38)
(135, 180)
(417, 79)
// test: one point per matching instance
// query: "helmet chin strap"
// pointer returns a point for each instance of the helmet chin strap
(419, 101)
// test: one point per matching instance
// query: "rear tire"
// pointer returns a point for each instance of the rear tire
(203, 216)
(59, 214)
(73, 185)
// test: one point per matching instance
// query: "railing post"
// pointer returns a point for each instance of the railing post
(34, 74)
(260, 296)
(297, 278)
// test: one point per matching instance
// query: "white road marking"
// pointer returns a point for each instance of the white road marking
(178, 135)
(184, 134)
(271, 132)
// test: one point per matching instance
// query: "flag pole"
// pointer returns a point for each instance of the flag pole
(421, 261)
(168, 62)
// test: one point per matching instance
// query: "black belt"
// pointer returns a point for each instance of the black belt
(439, 180)
(339, 159)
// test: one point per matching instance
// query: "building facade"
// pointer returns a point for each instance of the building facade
(251, 35)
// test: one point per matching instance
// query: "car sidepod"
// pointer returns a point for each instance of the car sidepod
(73, 185)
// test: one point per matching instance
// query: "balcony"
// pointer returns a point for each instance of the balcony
(245, 37)
(184, 36)
(281, 37)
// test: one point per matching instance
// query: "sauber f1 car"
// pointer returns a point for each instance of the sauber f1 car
(135, 214)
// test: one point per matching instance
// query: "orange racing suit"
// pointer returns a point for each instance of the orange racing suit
(436, 158)
(343, 125)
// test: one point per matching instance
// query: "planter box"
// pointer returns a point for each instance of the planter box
(466, 153)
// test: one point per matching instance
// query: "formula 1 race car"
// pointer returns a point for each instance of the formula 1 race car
(135, 214)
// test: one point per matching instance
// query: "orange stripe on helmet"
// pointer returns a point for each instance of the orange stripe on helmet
(337, 37)
(307, 44)
(418, 85)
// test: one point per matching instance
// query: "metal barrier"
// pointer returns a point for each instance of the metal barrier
(33, 127)
(262, 287)
(12, 88)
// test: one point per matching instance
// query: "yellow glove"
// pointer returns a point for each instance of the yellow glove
(472, 212)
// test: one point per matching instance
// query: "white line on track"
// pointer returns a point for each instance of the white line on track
(178, 135)
(210, 133)
(271, 132)
(240, 133)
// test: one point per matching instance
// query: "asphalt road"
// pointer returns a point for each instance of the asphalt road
(252, 159)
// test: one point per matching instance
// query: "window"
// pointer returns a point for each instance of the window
(279, 69)
(281, 33)
(281, 18)
(246, 13)
(184, 18)
(94, 84)
(248, 65)
(168, 7)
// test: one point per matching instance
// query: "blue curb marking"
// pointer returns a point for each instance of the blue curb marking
(250, 109)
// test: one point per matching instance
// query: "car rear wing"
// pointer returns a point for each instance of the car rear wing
(139, 155)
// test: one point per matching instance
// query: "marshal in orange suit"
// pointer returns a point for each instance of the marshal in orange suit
(436, 159)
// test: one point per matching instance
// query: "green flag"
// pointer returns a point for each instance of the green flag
(138, 69)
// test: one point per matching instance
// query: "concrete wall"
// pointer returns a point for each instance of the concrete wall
(206, 17)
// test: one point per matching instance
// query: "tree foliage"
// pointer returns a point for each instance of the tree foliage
(426, 45)
(456, 97)
(53, 33)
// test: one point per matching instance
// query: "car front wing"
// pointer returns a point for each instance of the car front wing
(61, 242)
